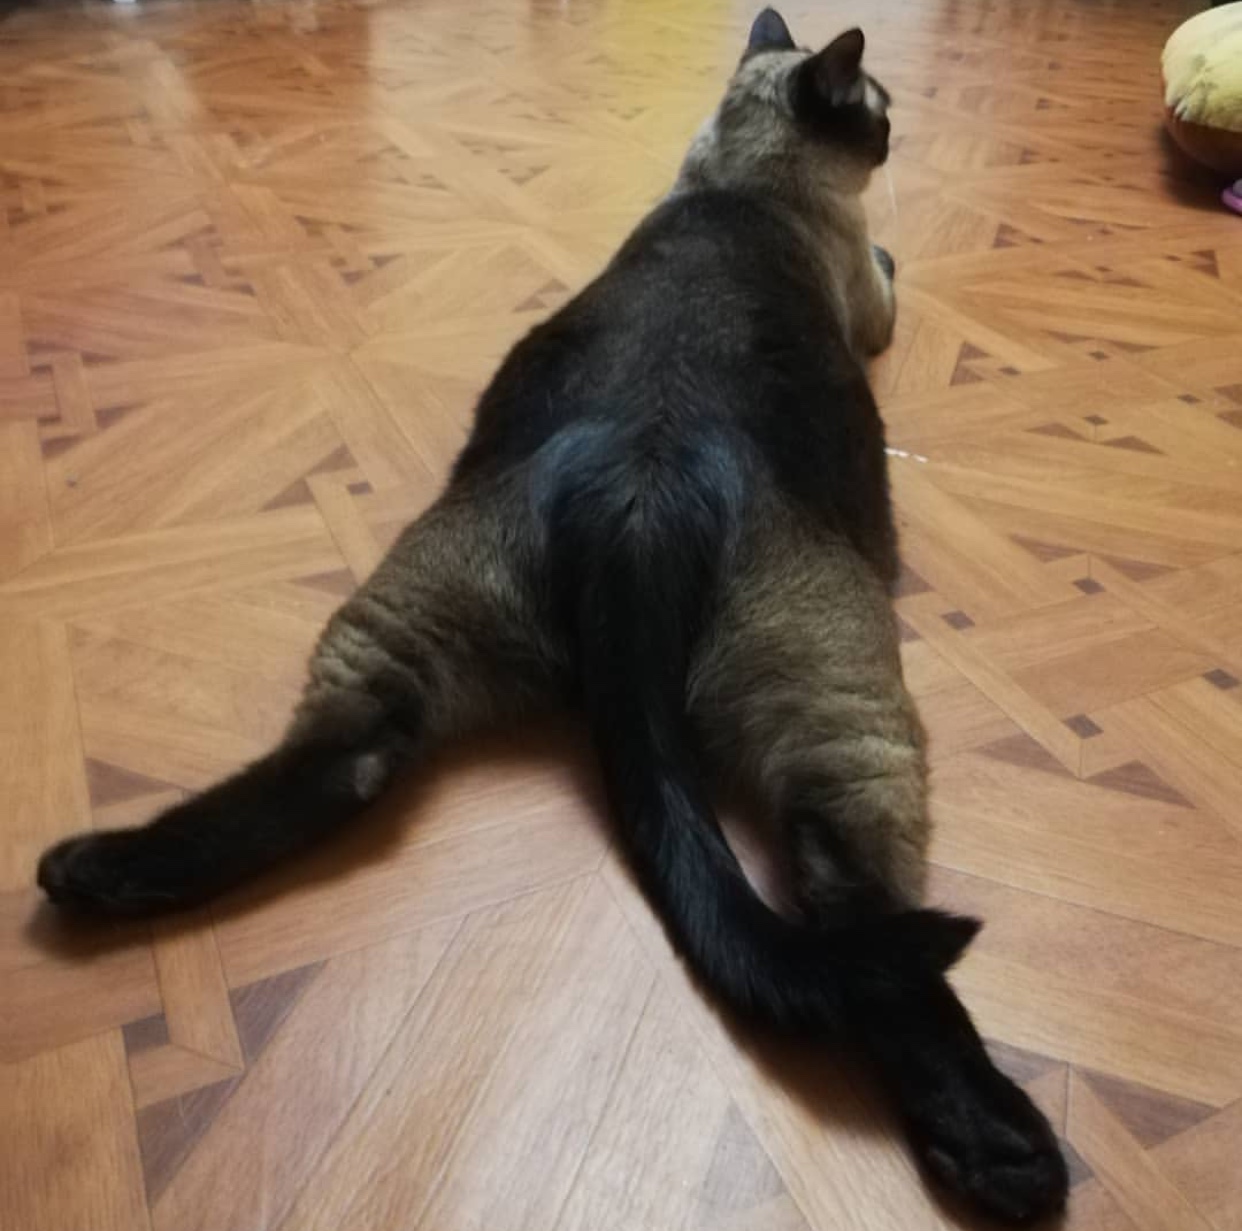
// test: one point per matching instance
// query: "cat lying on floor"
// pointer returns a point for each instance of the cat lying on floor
(673, 515)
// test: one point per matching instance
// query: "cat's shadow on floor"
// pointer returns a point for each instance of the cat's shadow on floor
(837, 1095)
(370, 840)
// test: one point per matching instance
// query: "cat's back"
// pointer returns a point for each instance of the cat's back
(707, 316)
(717, 277)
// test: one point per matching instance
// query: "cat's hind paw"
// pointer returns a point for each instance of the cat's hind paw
(102, 874)
(995, 1149)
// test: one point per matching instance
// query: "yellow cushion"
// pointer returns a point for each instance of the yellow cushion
(1202, 65)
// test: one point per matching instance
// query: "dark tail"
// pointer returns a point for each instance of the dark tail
(644, 553)
(644, 570)
(760, 964)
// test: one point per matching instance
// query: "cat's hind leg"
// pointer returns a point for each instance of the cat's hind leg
(445, 636)
(797, 687)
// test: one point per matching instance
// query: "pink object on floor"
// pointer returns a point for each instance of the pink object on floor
(1232, 197)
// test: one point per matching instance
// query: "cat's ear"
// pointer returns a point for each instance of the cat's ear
(834, 76)
(769, 33)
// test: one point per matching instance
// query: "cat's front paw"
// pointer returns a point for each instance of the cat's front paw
(102, 874)
(994, 1148)
(884, 259)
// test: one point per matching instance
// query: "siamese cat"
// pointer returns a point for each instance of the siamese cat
(673, 515)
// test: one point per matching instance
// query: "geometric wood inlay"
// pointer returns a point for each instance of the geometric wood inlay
(256, 263)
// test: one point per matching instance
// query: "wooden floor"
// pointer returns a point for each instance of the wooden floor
(255, 263)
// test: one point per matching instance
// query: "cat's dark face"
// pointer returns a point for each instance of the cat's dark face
(791, 114)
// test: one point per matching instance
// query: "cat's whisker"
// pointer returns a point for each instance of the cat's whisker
(892, 192)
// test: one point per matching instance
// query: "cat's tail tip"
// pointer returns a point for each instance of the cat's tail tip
(924, 941)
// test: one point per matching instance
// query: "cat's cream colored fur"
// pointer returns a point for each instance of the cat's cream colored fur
(752, 141)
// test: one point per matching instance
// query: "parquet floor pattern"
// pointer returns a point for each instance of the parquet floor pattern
(256, 260)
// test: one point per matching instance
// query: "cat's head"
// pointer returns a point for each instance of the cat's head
(792, 119)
